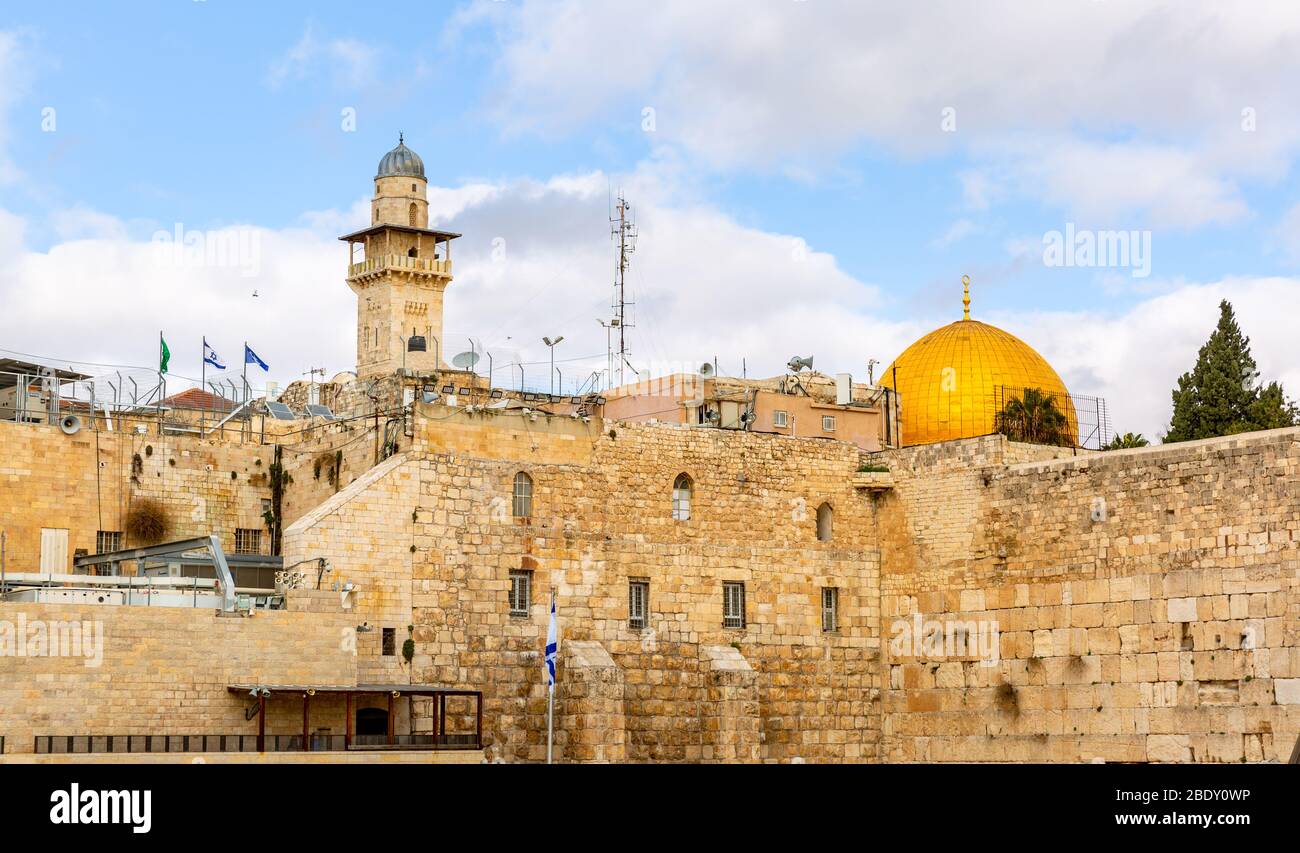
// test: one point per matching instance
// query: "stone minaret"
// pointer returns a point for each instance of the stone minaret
(400, 273)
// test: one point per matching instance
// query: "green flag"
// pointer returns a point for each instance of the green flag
(164, 354)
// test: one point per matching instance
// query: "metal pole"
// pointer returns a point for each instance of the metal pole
(550, 698)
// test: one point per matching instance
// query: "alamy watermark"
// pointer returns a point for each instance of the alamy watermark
(1080, 247)
(37, 638)
(937, 639)
(233, 248)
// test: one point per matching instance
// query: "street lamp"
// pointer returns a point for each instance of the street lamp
(552, 344)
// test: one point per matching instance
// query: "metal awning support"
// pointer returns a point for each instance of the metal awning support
(211, 543)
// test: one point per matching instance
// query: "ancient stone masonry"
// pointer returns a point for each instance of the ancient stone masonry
(86, 482)
(165, 670)
(1147, 602)
(780, 688)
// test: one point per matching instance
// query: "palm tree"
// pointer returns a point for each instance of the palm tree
(1035, 419)
(1126, 441)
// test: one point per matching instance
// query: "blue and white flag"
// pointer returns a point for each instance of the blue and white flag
(210, 356)
(250, 357)
(552, 646)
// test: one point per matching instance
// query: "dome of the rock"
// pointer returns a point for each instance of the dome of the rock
(953, 381)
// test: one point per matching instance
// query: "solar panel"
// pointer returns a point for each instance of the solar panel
(316, 410)
(280, 411)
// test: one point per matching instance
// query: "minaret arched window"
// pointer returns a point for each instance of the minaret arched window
(683, 489)
(825, 517)
(522, 505)
(412, 214)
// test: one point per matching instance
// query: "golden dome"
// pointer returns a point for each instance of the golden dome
(952, 382)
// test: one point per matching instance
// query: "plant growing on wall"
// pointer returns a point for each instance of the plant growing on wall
(279, 479)
(146, 521)
(408, 647)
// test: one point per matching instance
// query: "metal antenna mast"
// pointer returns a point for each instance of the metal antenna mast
(623, 229)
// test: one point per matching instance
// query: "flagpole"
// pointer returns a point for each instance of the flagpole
(550, 698)
(162, 380)
(245, 371)
(203, 385)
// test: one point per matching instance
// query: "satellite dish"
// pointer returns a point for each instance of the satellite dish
(797, 364)
(706, 370)
(465, 360)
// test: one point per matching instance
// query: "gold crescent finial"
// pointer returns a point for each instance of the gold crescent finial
(965, 299)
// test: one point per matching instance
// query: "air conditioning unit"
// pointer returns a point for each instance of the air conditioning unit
(843, 389)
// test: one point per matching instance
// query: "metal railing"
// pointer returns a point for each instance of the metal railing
(1087, 423)
(116, 744)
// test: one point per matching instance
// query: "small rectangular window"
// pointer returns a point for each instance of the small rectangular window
(733, 605)
(521, 592)
(638, 604)
(780, 419)
(830, 608)
(828, 423)
(248, 540)
(390, 642)
(108, 540)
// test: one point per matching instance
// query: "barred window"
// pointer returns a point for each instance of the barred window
(390, 642)
(522, 506)
(733, 605)
(828, 423)
(248, 540)
(682, 490)
(638, 604)
(521, 592)
(830, 608)
(108, 540)
(780, 419)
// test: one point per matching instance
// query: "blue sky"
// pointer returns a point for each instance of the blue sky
(905, 147)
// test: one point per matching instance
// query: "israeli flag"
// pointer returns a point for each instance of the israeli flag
(552, 646)
(211, 357)
(250, 357)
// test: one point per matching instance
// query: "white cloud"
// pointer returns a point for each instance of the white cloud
(786, 85)
(14, 82)
(1134, 359)
(537, 260)
(350, 62)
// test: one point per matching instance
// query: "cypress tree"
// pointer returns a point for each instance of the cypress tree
(1220, 396)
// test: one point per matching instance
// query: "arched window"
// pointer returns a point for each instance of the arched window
(522, 505)
(411, 253)
(682, 489)
(825, 516)
(412, 214)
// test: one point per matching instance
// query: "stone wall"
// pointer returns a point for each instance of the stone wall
(165, 670)
(602, 517)
(86, 482)
(1146, 600)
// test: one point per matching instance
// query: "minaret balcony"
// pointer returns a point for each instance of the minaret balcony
(399, 263)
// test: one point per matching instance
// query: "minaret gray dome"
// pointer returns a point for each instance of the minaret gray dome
(401, 162)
